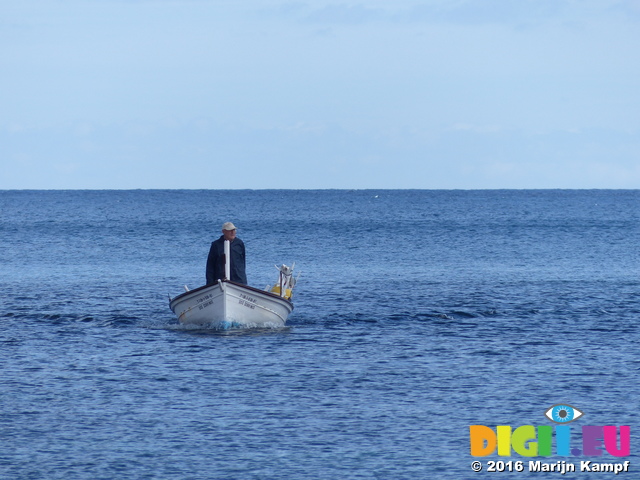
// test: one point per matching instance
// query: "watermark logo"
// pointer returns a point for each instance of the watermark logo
(562, 413)
(548, 440)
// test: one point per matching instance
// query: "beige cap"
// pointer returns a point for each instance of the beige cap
(228, 226)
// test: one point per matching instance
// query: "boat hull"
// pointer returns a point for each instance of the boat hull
(229, 304)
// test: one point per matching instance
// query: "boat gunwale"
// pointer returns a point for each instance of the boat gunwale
(253, 289)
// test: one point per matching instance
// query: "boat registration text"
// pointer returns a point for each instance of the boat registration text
(247, 301)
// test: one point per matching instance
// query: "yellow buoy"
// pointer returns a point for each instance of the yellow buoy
(276, 289)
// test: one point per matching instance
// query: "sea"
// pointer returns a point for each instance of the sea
(418, 314)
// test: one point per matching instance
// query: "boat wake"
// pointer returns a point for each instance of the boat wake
(226, 330)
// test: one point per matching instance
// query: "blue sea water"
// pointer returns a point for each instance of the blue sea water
(417, 314)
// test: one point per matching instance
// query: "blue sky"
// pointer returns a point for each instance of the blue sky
(319, 94)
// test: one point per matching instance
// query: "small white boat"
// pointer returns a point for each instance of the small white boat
(229, 304)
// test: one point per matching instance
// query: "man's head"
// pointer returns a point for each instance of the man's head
(229, 231)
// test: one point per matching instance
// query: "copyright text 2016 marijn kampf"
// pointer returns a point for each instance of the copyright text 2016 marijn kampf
(585, 466)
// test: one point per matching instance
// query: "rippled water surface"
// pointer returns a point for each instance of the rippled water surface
(417, 314)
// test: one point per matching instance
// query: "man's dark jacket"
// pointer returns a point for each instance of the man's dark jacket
(215, 261)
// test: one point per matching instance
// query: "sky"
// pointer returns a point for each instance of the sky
(255, 94)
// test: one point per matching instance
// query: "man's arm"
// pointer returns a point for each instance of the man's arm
(212, 260)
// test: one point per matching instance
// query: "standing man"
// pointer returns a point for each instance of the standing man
(215, 260)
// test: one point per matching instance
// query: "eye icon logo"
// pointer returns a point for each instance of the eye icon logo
(563, 413)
